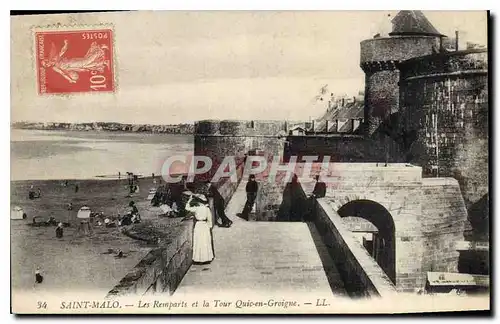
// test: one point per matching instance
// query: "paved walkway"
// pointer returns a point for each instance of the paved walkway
(265, 256)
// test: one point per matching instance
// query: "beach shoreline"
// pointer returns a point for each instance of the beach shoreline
(103, 177)
(79, 261)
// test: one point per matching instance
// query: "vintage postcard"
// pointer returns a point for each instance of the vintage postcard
(250, 162)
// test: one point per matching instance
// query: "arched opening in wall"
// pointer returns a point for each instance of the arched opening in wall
(383, 248)
(365, 232)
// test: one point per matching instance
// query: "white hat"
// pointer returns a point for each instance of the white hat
(106, 221)
(60, 224)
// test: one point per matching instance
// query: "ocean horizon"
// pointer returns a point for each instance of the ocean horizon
(83, 155)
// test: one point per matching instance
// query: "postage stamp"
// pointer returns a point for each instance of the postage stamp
(75, 61)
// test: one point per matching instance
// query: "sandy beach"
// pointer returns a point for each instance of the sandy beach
(76, 262)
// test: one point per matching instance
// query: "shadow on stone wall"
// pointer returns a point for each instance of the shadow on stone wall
(478, 216)
(293, 207)
(476, 262)
(335, 280)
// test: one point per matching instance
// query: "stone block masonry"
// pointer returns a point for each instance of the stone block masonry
(161, 270)
(444, 98)
(219, 139)
(379, 59)
(427, 215)
(361, 274)
(444, 219)
(340, 148)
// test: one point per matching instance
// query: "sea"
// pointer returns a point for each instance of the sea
(44, 155)
(75, 262)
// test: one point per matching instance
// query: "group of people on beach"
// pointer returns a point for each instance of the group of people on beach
(132, 216)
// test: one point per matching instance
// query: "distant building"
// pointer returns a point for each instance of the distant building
(297, 130)
(345, 115)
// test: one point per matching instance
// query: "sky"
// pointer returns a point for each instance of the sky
(175, 67)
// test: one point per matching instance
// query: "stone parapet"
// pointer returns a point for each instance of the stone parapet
(377, 66)
(452, 63)
(241, 127)
(397, 48)
(161, 270)
(362, 275)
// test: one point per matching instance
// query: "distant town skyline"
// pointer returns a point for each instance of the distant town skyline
(181, 67)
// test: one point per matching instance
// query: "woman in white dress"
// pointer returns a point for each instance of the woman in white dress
(202, 235)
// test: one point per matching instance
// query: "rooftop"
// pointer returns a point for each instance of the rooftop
(350, 110)
(412, 22)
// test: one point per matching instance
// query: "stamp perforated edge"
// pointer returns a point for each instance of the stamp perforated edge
(74, 27)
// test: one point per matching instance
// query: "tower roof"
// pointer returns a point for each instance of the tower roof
(412, 22)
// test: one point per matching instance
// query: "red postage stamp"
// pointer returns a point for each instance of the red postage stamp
(75, 61)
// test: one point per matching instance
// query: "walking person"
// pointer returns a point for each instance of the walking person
(202, 234)
(219, 207)
(251, 188)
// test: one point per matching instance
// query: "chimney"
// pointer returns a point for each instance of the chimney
(456, 40)
(343, 102)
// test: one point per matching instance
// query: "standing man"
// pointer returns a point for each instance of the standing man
(176, 190)
(251, 188)
(319, 190)
(219, 207)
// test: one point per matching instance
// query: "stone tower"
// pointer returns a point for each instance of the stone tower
(412, 36)
(444, 100)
